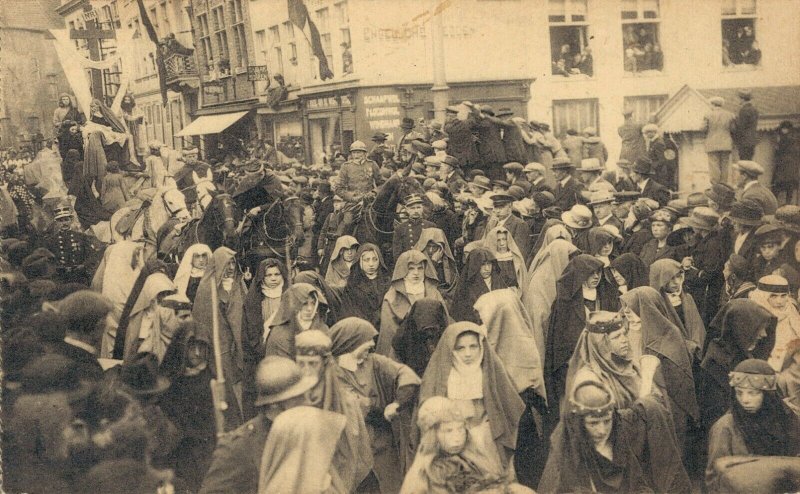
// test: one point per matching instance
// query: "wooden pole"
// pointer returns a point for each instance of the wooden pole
(218, 384)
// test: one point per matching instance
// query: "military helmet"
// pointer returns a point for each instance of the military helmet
(358, 146)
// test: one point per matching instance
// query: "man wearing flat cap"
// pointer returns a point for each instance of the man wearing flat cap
(568, 190)
(459, 124)
(746, 126)
(406, 234)
(748, 186)
(501, 216)
(450, 174)
(719, 126)
(514, 176)
(535, 174)
(236, 461)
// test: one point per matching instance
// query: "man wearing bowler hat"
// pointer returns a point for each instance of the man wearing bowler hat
(745, 216)
(642, 175)
(748, 186)
(568, 190)
(460, 123)
(746, 126)
(236, 461)
(407, 132)
(719, 125)
(501, 216)
(407, 233)
(450, 174)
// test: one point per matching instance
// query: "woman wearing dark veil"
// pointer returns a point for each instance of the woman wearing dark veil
(480, 275)
(366, 285)
(631, 269)
(419, 333)
(757, 424)
(88, 206)
(331, 306)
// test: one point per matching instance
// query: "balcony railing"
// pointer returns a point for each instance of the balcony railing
(180, 67)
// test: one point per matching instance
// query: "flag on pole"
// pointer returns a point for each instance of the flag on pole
(160, 66)
(298, 14)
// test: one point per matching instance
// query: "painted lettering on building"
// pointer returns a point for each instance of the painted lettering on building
(382, 111)
(455, 31)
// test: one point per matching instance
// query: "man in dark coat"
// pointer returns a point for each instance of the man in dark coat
(620, 177)
(632, 140)
(450, 174)
(461, 142)
(786, 178)
(514, 176)
(490, 141)
(704, 278)
(746, 126)
(656, 148)
(568, 190)
(85, 314)
(642, 175)
(407, 233)
(501, 216)
(236, 461)
(748, 186)
(535, 172)
(512, 137)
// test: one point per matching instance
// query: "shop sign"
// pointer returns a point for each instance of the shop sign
(382, 111)
(328, 102)
(215, 89)
(89, 15)
(257, 73)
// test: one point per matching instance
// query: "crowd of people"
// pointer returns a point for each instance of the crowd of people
(531, 319)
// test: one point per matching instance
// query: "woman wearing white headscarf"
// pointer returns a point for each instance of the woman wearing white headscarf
(500, 242)
(151, 324)
(342, 259)
(772, 293)
(190, 271)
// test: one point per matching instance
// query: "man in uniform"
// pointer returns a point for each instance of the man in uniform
(76, 253)
(407, 233)
(236, 461)
(358, 177)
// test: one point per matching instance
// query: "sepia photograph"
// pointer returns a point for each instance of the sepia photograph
(399, 246)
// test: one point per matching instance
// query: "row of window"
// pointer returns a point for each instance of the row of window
(213, 35)
(641, 19)
(161, 124)
(577, 114)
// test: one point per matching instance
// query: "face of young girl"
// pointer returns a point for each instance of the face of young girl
(467, 348)
(272, 277)
(452, 437)
(348, 254)
(369, 263)
(750, 399)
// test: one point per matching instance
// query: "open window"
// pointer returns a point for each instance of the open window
(641, 37)
(740, 47)
(571, 55)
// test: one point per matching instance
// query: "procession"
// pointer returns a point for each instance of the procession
(233, 275)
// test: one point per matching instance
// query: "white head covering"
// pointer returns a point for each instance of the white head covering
(184, 272)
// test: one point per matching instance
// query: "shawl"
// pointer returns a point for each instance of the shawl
(568, 314)
(768, 431)
(117, 273)
(283, 326)
(691, 327)
(332, 300)
(552, 229)
(631, 267)
(184, 272)
(155, 284)
(593, 354)
(471, 286)
(510, 334)
(490, 243)
(540, 292)
(337, 273)
(419, 333)
(644, 446)
(253, 318)
(787, 329)
(362, 296)
(436, 235)
(503, 405)
(286, 465)
(349, 334)
(662, 337)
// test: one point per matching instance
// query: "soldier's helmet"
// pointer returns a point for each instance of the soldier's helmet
(358, 146)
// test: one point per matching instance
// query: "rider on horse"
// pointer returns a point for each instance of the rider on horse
(358, 177)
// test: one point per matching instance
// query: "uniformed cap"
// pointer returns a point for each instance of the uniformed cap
(312, 342)
(412, 199)
(358, 146)
(534, 167)
(62, 212)
(749, 167)
(279, 379)
(513, 167)
(604, 322)
(501, 199)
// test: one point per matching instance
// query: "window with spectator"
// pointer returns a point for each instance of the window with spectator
(740, 47)
(641, 42)
(569, 38)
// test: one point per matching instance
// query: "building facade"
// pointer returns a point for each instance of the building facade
(31, 77)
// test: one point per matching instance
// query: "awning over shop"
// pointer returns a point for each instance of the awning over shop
(211, 124)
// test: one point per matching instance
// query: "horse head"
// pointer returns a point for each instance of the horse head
(227, 217)
(205, 187)
(175, 204)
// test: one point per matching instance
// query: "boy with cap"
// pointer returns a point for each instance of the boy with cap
(719, 125)
(748, 186)
(407, 233)
(237, 458)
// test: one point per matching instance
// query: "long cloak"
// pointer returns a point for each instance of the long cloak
(362, 297)
(471, 286)
(419, 333)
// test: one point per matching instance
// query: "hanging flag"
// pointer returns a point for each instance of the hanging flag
(160, 66)
(298, 14)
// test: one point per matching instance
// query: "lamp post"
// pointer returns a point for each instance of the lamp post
(440, 90)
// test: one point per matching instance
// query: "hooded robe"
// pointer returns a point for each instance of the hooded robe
(362, 296)
(471, 286)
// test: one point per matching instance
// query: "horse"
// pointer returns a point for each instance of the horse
(143, 222)
(271, 233)
(215, 228)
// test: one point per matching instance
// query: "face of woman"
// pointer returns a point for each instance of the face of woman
(594, 279)
(769, 250)
(200, 261)
(620, 344)
(606, 250)
(310, 365)
(467, 348)
(750, 399)
(370, 263)
(452, 437)
(778, 301)
(659, 229)
(229, 269)
(348, 254)
(675, 284)
(599, 428)
(634, 322)
(502, 242)
(362, 352)
(416, 272)
(486, 270)
(309, 309)
(272, 277)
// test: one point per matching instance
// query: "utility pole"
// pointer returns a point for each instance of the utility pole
(440, 90)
